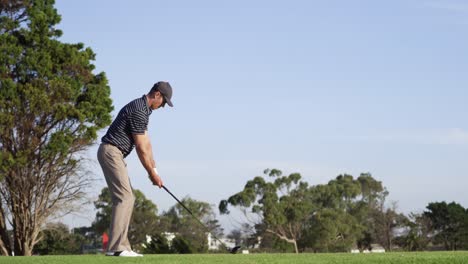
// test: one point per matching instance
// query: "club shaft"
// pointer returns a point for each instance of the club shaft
(198, 220)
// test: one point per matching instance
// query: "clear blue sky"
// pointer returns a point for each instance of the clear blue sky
(316, 87)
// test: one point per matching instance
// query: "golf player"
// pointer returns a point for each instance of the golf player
(129, 130)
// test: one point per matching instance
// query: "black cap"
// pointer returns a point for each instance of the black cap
(165, 89)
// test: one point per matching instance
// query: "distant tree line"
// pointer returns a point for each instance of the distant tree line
(291, 216)
(345, 213)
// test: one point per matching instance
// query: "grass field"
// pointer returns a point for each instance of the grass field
(386, 258)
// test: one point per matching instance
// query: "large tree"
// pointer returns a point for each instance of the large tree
(330, 217)
(337, 223)
(51, 107)
(449, 224)
(282, 204)
(364, 200)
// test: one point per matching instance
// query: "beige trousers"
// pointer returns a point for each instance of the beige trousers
(116, 174)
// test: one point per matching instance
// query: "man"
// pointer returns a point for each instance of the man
(129, 130)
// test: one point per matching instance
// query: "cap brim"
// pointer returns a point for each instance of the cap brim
(168, 101)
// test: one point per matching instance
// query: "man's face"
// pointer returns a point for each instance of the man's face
(158, 101)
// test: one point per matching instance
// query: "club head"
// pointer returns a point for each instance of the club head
(234, 249)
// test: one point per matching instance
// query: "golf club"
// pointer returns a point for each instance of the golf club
(231, 250)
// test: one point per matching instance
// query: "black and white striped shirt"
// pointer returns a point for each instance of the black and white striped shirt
(132, 119)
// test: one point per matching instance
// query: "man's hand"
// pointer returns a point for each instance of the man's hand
(156, 180)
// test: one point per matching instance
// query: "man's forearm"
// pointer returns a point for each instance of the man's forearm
(146, 157)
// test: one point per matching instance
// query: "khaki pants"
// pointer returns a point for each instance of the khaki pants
(116, 174)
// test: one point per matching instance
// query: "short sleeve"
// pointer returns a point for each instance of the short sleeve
(138, 123)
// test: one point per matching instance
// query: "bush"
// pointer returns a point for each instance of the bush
(181, 245)
(157, 245)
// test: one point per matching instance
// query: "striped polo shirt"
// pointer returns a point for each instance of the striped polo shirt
(132, 119)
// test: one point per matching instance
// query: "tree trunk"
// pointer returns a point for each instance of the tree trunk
(22, 247)
(5, 251)
(23, 238)
(389, 238)
(283, 237)
(5, 245)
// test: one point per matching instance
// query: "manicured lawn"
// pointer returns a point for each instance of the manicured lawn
(386, 258)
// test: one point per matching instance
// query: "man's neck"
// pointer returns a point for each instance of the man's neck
(148, 102)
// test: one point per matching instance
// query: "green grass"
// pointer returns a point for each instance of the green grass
(386, 258)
